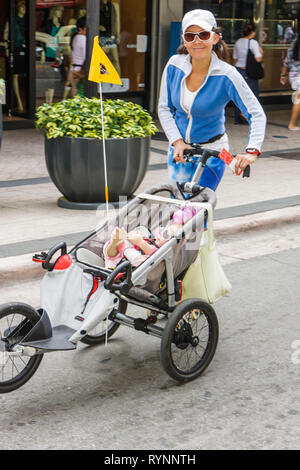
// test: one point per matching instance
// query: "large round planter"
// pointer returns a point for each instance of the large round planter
(76, 167)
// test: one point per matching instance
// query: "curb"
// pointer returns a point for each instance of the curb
(260, 220)
(22, 269)
(19, 269)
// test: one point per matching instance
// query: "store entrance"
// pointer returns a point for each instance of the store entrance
(35, 51)
(14, 58)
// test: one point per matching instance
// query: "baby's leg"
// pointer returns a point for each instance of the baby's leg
(130, 252)
(134, 256)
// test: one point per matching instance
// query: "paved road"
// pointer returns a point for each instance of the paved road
(119, 397)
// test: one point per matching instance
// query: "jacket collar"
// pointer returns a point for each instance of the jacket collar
(213, 66)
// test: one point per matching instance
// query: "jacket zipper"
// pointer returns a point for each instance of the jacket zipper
(188, 130)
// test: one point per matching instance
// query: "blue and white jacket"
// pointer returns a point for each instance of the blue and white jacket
(222, 84)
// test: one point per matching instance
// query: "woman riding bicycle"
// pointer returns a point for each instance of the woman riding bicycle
(196, 86)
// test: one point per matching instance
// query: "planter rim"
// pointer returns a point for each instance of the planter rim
(100, 140)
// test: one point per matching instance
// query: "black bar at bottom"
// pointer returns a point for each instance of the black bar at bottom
(132, 322)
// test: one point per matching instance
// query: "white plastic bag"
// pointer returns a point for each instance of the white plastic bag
(205, 278)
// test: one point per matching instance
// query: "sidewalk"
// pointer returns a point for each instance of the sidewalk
(31, 221)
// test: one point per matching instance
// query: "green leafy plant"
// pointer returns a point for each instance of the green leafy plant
(81, 117)
(2, 92)
(2, 86)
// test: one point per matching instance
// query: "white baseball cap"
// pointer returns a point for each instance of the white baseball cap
(202, 18)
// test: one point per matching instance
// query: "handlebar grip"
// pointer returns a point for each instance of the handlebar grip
(189, 151)
(60, 246)
(123, 267)
(246, 172)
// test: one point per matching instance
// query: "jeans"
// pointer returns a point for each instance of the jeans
(253, 85)
(212, 173)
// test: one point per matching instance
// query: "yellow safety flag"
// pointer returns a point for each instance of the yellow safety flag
(101, 68)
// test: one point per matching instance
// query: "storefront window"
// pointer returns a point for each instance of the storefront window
(122, 32)
(55, 23)
(14, 54)
(231, 15)
(281, 21)
(280, 26)
(123, 36)
(277, 22)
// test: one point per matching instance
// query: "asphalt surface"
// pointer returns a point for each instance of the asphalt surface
(119, 397)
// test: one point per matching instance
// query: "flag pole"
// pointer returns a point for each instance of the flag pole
(99, 61)
(104, 151)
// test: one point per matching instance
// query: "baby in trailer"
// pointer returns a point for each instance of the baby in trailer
(136, 246)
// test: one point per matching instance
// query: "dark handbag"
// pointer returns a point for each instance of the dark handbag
(254, 69)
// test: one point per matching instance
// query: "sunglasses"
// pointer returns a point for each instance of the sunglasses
(202, 35)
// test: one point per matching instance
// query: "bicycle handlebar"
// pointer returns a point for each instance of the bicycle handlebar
(205, 154)
(198, 150)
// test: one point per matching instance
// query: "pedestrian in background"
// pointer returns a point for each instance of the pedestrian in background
(78, 48)
(292, 63)
(288, 34)
(240, 53)
(195, 89)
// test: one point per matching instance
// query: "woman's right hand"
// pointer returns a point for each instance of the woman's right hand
(283, 80)
(179, 147)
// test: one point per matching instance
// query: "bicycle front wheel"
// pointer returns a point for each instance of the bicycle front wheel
(16, 320)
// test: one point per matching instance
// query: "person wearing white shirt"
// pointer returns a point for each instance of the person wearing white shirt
(240, 53)
(78, 47)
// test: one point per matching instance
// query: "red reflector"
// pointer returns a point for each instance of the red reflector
(180, 289)
(63, 262)
(226, 157)
(119, 276)
(37, 260)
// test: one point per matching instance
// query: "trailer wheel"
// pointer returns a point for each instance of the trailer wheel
(16, 320)
(189, 340)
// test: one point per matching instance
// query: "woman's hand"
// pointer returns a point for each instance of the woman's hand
(243, 160)
(179, 147)
(283, 75)
(283, 79)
